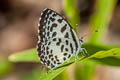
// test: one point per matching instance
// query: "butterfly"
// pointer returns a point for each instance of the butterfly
(57, 42)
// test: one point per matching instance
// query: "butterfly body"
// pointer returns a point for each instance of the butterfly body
(58, 42)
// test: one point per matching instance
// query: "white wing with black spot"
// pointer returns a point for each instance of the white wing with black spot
(58, 42)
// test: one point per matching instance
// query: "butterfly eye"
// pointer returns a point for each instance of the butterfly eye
(81, 41)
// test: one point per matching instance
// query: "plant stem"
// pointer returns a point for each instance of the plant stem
(101, 19)
(70, 8)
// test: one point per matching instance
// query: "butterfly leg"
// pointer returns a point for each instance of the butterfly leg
(84, 52)
(76, 56)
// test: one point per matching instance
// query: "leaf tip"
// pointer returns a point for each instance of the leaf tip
(11, 58)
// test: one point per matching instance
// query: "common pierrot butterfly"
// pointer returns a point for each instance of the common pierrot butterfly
(57, 42)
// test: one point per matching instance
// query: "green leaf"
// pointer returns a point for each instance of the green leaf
(31, 55)
(109, 53)
(25, 56)
(52, 74)
(93, 48)
(110, 57)
(109, 61)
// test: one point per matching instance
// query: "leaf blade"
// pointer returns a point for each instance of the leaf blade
(25, 56)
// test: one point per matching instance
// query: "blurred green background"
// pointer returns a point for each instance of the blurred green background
(98, 22)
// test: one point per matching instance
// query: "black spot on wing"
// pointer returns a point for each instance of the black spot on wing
(54, 34)
(65, 54)
(66, 35)
(56, 58)
(51, 51)
(69, 55)
(60, 20)
(54, 15)
(52, 66)
(52, 59)
(46, 57)
(54, 62)
(64, 58)
(49, 43)
(48, 62)
(63, 28)
(58, 63)
(71, 46)
(47, 52)
(48, 28)
(52, 19)
(62, 47)
(53, 26)
(50, 56)
(48, 22)
(48, 33)
(66, 49)
(54, 39)
(59, 41)
(66, 41)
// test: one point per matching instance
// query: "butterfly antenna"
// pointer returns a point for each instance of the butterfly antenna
(81, 39)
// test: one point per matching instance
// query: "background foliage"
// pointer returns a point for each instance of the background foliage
(100, 53)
